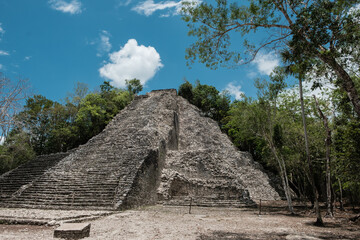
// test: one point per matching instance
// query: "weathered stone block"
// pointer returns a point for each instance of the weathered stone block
(73, 231)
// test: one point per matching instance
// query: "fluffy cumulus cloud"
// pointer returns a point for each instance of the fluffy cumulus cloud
(104, 45)
(72, 7)
(266, 62)
(4, 53)
(131, 61)
(234, 90)
(148, 7)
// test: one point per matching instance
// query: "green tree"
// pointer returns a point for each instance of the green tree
(47, 127)
(97, 109)
(346, 153)
(211, 102)
(323, 30)
(186, 91)
(36, 120)
(79, 93)
(106, 87)
(134, 86)
(262, 118)
(15, 151)
(347, 158)
(271, 128)
(328, 145)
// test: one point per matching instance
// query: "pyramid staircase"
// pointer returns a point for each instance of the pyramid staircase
(116, 169)
(159, 148)
(12, 181)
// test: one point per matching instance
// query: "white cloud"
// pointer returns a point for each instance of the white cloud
(131, 61)
(320, 93)
(27, 58)
(266, 63)
(4, 53)
(355, 12)
(124, 3)
(73, 7)
(252, 74)
(104, 45)
(148, 7)
(234, 90)
(165, 15)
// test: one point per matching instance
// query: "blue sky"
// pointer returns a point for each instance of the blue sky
(55, 43)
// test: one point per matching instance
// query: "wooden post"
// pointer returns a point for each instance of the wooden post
(190, 205)
(260, 208)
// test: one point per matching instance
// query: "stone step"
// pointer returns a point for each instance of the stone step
(209, 202)
(87, 180)
(66, 191)
(62, 200)
(54, 187)
(59, 206)
(79, 181)
(48, 194)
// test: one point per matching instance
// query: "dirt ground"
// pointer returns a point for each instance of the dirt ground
(166, 222)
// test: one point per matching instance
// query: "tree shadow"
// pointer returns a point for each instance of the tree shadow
(222, 235)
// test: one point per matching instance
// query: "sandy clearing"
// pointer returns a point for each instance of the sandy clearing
(165, 222)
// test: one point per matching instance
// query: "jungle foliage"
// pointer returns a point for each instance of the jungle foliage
(45, 126)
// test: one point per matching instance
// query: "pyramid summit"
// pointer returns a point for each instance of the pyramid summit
(158, 149)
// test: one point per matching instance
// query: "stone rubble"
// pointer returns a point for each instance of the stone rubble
(208, 168)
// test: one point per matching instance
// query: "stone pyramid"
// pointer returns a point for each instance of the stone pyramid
(158, 149)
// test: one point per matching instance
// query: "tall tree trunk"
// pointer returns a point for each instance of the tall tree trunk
(341, 196)
(346, 82)
(283, 174)
(288, 192)
(319, 220)
(279, 159)
(329, 205)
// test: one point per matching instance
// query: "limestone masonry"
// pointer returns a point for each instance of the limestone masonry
(158, 149)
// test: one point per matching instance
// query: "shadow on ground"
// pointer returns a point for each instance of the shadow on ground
(221, 235)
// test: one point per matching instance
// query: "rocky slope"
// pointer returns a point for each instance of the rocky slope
(207, 165)
(159, 148)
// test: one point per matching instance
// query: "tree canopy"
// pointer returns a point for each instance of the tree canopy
(54, 127)
(134, 86)
(210, 101)
(301, 31)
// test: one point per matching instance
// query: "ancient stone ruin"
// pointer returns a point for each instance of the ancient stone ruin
(158, 149)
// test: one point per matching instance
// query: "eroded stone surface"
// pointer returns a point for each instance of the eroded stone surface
(157, 148)
(207, 165)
